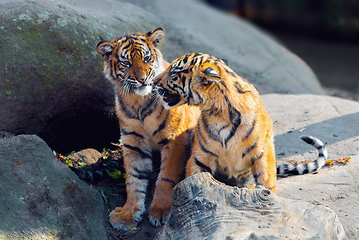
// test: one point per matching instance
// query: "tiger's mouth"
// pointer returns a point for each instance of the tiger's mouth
(171, 99)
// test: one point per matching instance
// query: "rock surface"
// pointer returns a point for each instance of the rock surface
(87, 156)
(203, 208)
(43, 199)
(336, 122)
(51, 80)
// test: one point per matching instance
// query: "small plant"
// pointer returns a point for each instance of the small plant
(117, 174)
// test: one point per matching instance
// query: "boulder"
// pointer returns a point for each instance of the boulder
(51, 80)
(43, 199)
(87, 156)
(196, 27)
(204, 208)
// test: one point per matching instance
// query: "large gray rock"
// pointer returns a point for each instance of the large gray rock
(51, 81)
(336, 122)
(193, 26)
(43, 199)
(203, 208)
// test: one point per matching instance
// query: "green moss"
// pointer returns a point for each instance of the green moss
(54, 57)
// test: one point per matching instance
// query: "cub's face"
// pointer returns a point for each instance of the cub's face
(132, 61)
(188, 80)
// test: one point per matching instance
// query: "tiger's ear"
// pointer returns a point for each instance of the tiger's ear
(210, 76)
(212, 73)
(155, 36)
(224, 61)
(105, 48)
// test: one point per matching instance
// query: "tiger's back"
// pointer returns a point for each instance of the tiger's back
(130, 63)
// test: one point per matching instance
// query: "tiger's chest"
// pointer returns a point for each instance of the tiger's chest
(225, 149)
(143, 120)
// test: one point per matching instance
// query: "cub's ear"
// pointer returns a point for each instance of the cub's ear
(210, 76)
(211, 72)
(105, 48)
(224, 61)
(155, 36)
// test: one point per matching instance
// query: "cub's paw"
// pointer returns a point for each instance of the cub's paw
(125, 219)
(157, 215)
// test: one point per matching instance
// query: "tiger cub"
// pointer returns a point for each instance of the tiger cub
(130, 63)
(234, 136)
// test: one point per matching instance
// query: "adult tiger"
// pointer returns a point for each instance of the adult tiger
(130, 63)
(234, 136)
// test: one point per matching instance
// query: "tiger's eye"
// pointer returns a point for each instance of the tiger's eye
(147, 58)
(126, 63)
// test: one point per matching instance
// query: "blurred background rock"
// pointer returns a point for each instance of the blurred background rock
(324, 33)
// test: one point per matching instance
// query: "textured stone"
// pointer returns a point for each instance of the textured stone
(203, 208)
(43, 199)
(51, 80)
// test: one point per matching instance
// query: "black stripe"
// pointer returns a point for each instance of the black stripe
(204, 149)
(249, 132)
(190, 94)
(201, 100)
(230, 72)
(139, 151)
(147, 109)
(143, 172)
(164, 141)
(183, 80)
(127, 112)
(235, 118)
(250, 148)
(208, 129)
(201, 165)
(173, 183)
(139, 176)
(239, 88)
(224, 84)
(308, 140)
(200, 60)
(185, 59)
(140, 191)
(125, 132)
(306, 170)
(162, 125)
(253, 159)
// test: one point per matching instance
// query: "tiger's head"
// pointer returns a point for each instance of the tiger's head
(189, 79)
(132, 61)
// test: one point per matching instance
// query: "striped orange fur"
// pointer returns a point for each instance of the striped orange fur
(130, 63)
(234, 136)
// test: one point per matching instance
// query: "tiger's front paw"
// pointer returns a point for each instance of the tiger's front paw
(158, 214)
(124, 218)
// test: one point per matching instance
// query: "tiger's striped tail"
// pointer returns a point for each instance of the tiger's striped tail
(309, 167)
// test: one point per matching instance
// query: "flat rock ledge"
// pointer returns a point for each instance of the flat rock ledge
(204, 208)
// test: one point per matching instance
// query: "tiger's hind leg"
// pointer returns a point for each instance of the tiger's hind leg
(138, 165)
(173, 160)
